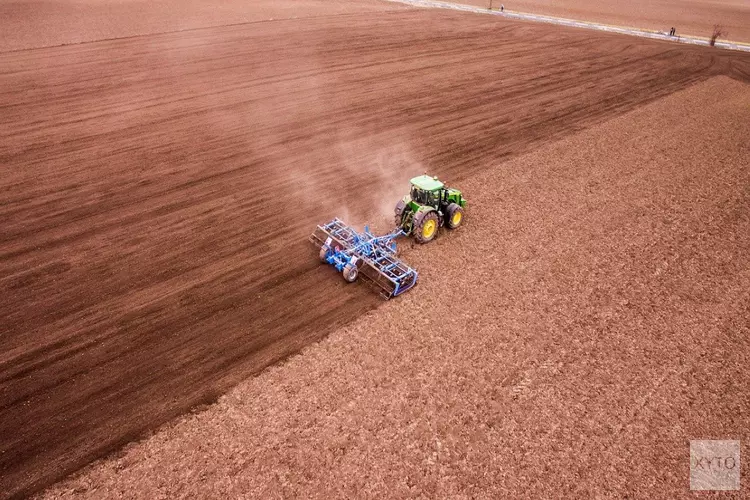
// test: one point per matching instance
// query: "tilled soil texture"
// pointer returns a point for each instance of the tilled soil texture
(589, 319)
(43, 23)
(689, 17)
(158, 192)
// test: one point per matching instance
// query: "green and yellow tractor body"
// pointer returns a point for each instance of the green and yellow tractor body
(429, 206)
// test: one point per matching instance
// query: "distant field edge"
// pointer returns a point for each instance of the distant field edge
(623, 30)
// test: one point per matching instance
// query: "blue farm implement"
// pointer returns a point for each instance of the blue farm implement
(374, 257)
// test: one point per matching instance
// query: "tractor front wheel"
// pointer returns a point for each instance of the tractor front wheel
(350, 273)
(454, 216)
(425, 226)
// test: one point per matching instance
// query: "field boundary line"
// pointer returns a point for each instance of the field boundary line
(622, 30)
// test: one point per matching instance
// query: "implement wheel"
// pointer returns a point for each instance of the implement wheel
(454, 216)
(425, 226)
(350, 273)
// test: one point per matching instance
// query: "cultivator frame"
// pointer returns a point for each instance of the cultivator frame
(374, 257)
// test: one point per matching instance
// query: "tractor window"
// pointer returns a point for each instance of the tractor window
(418, 195)
(425, 197)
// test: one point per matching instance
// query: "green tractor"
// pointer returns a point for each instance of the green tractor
(429, 206)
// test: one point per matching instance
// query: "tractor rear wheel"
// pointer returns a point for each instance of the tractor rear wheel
(425, 226)
(454, 216)
(400, 210)
(350, 273)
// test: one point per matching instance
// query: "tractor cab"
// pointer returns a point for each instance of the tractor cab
(426, 190)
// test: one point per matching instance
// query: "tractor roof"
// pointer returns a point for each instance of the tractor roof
(427, 183)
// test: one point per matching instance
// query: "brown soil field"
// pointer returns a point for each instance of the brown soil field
(44, 23)
(690, 17)
(590, 319)
(158, 192)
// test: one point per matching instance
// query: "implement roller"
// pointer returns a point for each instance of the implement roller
(374, 257)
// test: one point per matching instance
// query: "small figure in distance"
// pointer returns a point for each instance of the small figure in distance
(502, 7)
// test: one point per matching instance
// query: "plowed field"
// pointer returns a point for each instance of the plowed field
(157, 193)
